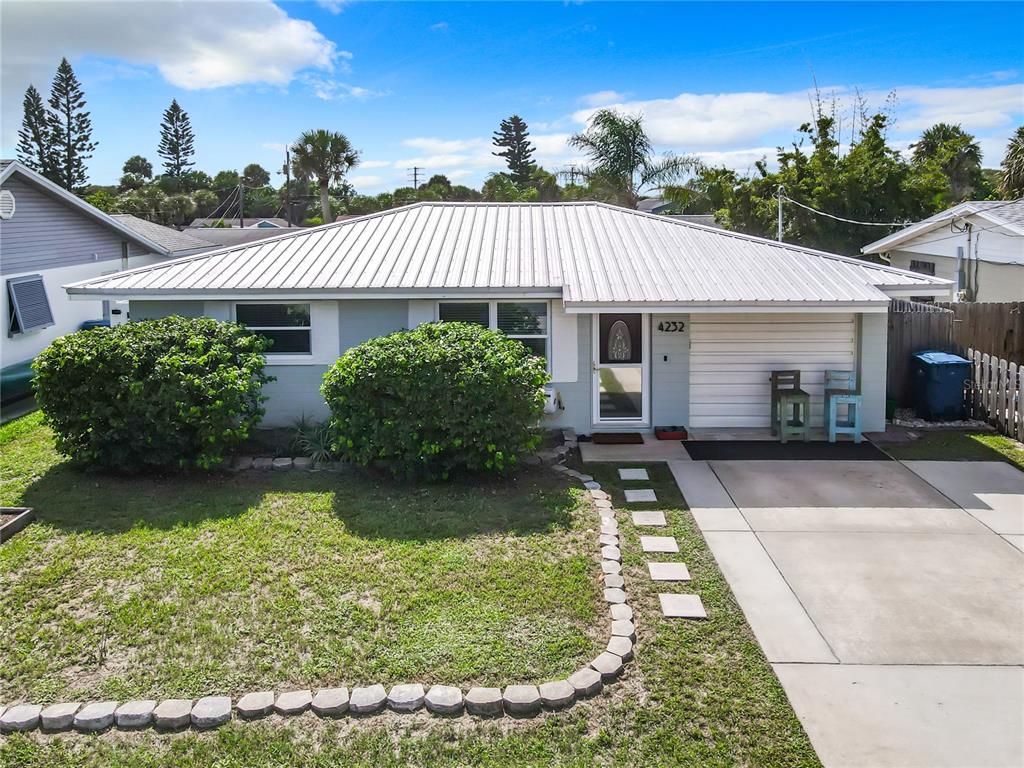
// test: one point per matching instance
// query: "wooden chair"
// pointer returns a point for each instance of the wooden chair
(841, 389)
(789, 400)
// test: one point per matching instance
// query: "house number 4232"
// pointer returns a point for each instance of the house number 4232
(671, 326)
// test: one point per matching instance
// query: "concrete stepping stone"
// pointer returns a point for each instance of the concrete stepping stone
(633, 474)
(669, 571)
(557, 695)
(97, 716)
(623, 628)
(652, 517)
(621, 647)
(20, 717)
(172, 714)
(257, 704)
(659, 544)
(599, 495)
(682, 606)
(293, 702)
(134, 714)
(444, 700)
(636, 496)
(614, 580)
(586, 682)
(486, 702)
(610, 527)
(611, 566)
(606, 514)
(521, 699)
(621, 613)
(611, 553)
(603, 503)
(614, 595)
(330, 702)
(367, 700)
(609, 665)
(407, 697)
(282, 463)
(591, 486)
(211, 711)
(609, 539)
(58, 717)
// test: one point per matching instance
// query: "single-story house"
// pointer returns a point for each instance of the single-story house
(50, 237)
(643, 320)
(979, 245)
(245, 222)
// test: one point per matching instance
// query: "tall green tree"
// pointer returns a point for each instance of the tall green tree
(177, 141)
(513, 139)
(955, 154)
(1012, 182)
(34, 147)
(325, 156)
(255, 175)
(622, 159)
(139, 166)
(70, 129)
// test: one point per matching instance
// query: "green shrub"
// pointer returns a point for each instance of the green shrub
(316, 439)
(174, 392)
(442, 398)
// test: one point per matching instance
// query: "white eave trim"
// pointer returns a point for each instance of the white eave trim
(739, 307)
(76, 291)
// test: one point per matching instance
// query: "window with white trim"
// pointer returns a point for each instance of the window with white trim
(526, 321)
(922, 267)
(30, 308)
(288, 326)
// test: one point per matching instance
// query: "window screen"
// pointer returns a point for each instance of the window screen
(523, 319)
(30, 309)
(923, 267)
(286, 325)
(465, 312)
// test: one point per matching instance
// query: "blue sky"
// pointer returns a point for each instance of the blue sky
(426, 83)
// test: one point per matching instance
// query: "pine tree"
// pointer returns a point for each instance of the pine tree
(513, 136)
(70, 129)
(34, 148)
(176, 140)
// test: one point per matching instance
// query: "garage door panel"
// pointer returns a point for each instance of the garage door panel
(732, 357)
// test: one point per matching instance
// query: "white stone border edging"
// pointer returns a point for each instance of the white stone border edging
(443, 700)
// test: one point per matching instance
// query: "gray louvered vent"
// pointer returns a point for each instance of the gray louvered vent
(30, 308)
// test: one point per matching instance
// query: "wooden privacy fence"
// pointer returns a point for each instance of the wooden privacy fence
(993, 327)
(996, 393)
(913, 327)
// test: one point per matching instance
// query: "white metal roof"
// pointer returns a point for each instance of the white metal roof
(588, 253)
(1005, 214)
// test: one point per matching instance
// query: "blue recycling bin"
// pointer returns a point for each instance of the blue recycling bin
(938, 385)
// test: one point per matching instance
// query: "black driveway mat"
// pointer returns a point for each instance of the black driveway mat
(767, 450)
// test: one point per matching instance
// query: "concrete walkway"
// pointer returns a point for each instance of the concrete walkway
(891, 608)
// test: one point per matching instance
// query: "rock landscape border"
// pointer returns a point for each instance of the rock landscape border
(514, 700)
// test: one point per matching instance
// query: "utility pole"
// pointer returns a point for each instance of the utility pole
(778, 231)
(241, 205)
(287, 187)
(415, 171)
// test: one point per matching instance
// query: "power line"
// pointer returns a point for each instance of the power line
(783, 196)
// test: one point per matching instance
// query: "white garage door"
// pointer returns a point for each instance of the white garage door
(732, 357)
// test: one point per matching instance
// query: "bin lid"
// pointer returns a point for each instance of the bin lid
(934, 357)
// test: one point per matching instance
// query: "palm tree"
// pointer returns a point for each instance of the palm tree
(955, 152)
(325, 156)
(623, 159)
(1013, 166)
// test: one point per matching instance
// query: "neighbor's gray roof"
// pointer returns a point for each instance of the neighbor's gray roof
(1008, 214)
(589, 253)
(249, 221)
(171, 239)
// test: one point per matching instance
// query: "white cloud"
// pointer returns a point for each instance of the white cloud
(602, 98)
(459, 173)
(330, 89)
(366, 181)
(333, 7)
(441, 26)
(374, 163)
(438, 146)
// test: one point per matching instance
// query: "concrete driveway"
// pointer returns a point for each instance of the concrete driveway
(888, 598)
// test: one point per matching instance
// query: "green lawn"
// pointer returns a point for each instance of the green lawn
(951, 445)
(186, 586)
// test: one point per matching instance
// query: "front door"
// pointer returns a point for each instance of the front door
(620, 373)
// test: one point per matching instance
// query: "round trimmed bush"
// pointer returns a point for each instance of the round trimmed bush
(174, 392)
(442, 398)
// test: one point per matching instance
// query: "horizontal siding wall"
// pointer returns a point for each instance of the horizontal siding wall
(732, 357)
(45, 234)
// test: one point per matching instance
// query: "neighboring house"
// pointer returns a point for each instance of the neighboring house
(173, 241)
(228, 236)
(53, 238)
(656, 205)
(979, 245)
(643, 320)
(704, 219)
(247, 222)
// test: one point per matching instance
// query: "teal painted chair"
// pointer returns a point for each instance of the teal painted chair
(841, 390)
(791, 406)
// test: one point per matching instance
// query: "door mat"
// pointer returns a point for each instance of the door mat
(767, 450)
(618, 438)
